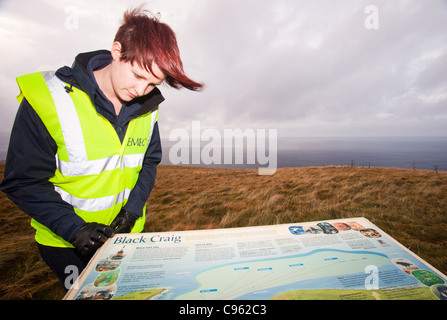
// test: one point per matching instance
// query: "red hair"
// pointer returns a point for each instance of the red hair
(145, 40)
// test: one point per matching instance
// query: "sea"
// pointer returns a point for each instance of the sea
(428, 153)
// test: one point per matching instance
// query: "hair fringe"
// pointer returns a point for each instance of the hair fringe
(162, 49)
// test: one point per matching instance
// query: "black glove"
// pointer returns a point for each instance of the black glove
(123, 222)
(91, 236)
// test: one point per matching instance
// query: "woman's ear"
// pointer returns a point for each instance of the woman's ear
(116, 51)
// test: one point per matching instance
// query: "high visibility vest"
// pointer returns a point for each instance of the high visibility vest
(95, 172)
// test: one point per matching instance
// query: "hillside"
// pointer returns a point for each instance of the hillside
(410, 205)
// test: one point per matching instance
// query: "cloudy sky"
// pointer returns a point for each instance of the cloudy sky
(306, 68)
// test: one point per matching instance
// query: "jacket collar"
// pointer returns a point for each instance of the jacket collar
(81, 76)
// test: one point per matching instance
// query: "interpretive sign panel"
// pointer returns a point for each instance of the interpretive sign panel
(336, 259)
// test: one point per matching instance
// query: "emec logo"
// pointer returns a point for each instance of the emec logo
(139, 142)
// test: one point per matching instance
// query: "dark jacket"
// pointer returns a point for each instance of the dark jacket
(31, 161)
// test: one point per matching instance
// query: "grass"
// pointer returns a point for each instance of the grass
(410, 205)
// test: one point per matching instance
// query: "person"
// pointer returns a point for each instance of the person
(85, 144)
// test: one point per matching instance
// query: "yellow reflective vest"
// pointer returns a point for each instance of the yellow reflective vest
(95, 172)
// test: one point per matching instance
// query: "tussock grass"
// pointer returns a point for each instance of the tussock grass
(410, 205)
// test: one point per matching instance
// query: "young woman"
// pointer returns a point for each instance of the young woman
(85, 144)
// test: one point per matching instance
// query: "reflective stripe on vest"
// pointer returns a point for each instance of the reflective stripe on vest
(96, 204)
(68, 118)
(95, 171)
(97, 166)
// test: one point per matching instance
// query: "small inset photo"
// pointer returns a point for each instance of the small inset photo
(440, 291)
(107, 278)
(355, 225)
(90, 292)
(314, 229)
(327, 228)
(427, 278)
(370, 233)
(118, 255)
(340, 226)
(297, 230)
(107, 264)
(405, 265)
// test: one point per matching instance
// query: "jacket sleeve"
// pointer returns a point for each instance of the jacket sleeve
(146, 179)
(30, 163)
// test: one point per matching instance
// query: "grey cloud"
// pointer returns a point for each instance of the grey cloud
(306, 67)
